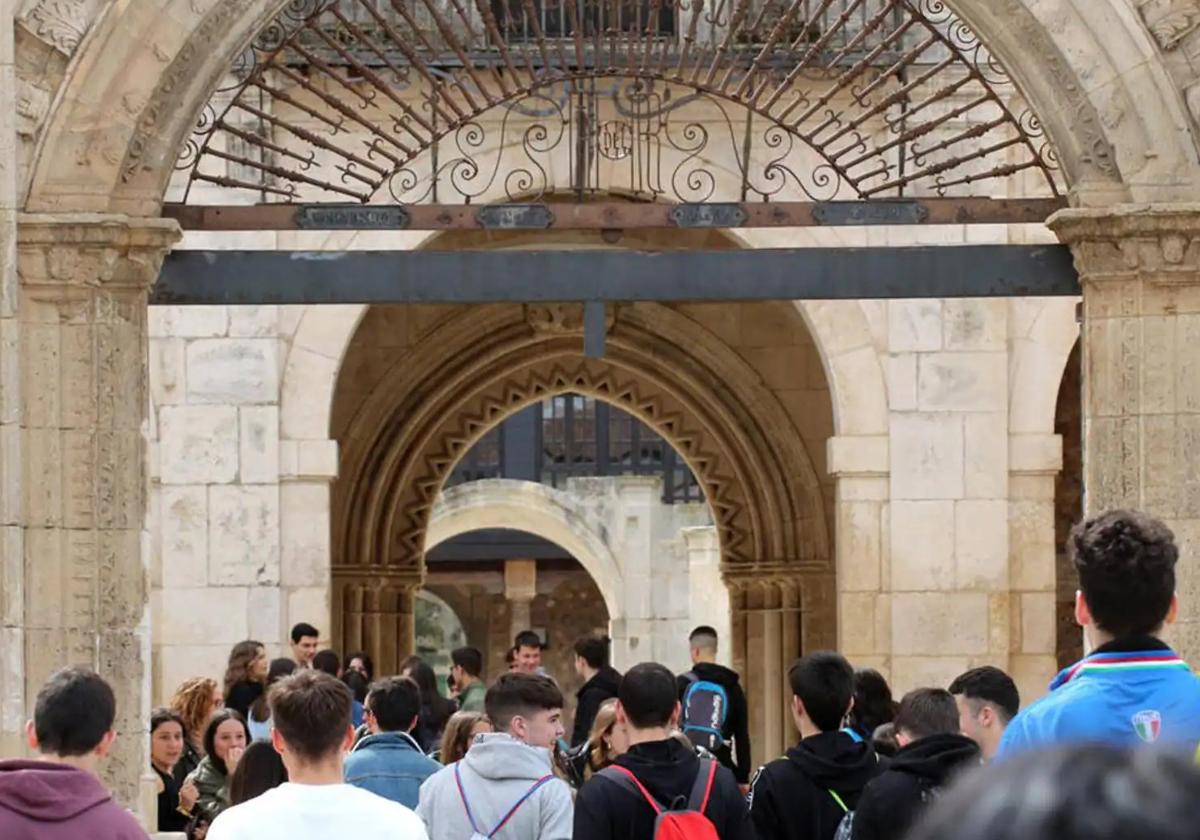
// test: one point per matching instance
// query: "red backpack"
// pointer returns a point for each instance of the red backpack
(688, 823)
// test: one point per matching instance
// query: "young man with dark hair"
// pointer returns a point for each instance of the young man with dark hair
(304, 644)
(528, 652)
(467, 671)
(328, 662)
(59, 796)
(310, 711)
(600, 683)
(806, 794)
(505, 787)
(1132, 688)
(388, 762)
(614, 804)
(987, 700)
(932, 752)
(710, 690)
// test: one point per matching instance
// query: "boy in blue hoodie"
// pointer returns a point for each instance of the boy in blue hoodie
(1132, 688)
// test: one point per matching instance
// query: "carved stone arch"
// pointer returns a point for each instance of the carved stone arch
(662, 367)
(161, 69)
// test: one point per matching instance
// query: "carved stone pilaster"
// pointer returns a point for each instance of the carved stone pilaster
(374, 609)
(1140, 270)
(82, 315)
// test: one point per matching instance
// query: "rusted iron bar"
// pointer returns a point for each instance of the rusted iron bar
(614, 215)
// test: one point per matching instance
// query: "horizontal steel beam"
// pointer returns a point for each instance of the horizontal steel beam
(270, 277)
(614, 215)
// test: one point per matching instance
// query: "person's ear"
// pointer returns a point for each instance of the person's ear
(1173, 612)
(622, 718)
(348, 741)
(277, 742)
(105, 743)
(413, 725)
(987, 716)
(676, 714)
(1083, 616)
(31, 735)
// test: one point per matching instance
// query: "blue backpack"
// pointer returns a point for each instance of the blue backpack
(705, 708)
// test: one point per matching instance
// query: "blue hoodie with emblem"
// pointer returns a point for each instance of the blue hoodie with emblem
(1126, 693)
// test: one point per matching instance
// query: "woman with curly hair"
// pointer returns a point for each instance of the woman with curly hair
(245, 676)
(194, 702)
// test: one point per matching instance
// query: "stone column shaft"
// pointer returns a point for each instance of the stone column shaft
(1140, 270)
(83, 353)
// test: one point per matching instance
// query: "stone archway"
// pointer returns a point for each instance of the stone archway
(661, 367)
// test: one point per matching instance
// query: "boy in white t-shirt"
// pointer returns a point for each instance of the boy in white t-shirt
(311, 714)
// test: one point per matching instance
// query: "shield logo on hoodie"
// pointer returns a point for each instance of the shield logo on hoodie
(1148, 725)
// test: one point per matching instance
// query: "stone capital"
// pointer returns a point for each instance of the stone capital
(92, 251)
(1157, 242)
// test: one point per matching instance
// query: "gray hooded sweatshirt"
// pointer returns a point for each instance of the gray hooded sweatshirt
(497, 772)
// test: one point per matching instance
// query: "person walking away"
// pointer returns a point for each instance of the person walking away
(710, 692)
(259, 721)
(58, 796)
(987, 700)
(809, 793)
(659, 773)
(304, 644)
(245, 676)
(311, 715)
(932, 752)
(388, 762)
(175, 801)
(259, 770)
(460, 734)
(435, 709)
(467, 671)
(600, 683)
(1132, 689)
(225, 740)
(505, 787)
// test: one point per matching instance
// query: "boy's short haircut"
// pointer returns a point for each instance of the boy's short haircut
(928, 711)
(74, 711)
(469, 659)
(303, 629)
(1126, 563)
(988, 684)
(520, 695)
(824, 682)
(649, 695)
(394, 703)
(311, 710)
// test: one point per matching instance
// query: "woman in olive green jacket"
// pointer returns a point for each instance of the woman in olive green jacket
(225, 739)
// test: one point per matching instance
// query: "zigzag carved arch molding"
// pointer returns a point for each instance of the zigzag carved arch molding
(661, 367)
(411, 101)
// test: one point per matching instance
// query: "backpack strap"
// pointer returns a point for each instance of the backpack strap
(702, 788)
(621, 776)
(839, 801)
(511, 811)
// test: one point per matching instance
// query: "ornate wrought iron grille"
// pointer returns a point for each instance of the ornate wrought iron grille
(413, 101)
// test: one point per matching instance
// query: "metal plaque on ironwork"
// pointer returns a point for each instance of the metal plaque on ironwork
(351, 217)
(515, 217)
(877, 212)
(708, 215)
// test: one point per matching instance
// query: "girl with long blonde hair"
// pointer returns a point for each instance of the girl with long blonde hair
(194, 702)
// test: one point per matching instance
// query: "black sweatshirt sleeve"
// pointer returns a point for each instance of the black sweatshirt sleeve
(762, 807)
(592, 813)
(739, 725)
(585, 713)
(866, 817)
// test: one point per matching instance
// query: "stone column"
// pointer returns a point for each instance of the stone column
(1140, 270)
(81, 592)
(520, 588)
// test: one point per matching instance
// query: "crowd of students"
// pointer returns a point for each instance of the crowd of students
(306, 748)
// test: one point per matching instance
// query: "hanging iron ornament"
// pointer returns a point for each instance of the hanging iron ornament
(416, 101)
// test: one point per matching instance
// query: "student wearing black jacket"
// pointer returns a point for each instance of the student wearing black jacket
(806, 794)
(703, 646)
(932, 752)
(611, 808)
(601, 682)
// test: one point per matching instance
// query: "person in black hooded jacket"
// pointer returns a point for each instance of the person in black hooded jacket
(703, 646)
(806, 794)
(932, 752)
(601, 683)
(610, 806)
